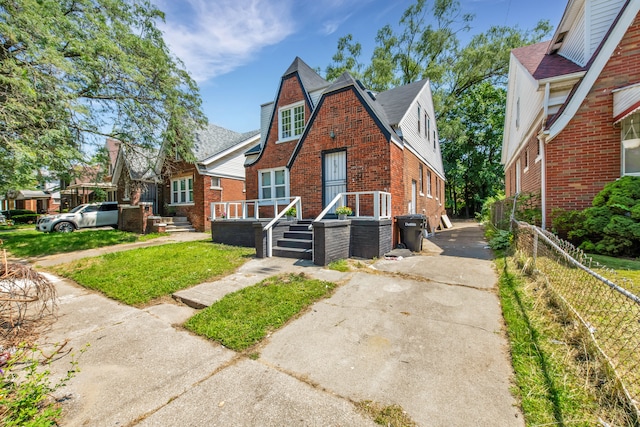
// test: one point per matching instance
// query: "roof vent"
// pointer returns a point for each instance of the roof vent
(361, 85)
(372, 94)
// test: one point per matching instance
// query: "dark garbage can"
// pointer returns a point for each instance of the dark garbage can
(411, 227)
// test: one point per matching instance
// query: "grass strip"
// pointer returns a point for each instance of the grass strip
(138, 276)
(552, 370)
(30, 243)
(241, 319)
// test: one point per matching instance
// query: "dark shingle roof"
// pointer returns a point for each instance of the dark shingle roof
(215, 139)
(542, 66)
(310, 79)
(141, 162)
(397, 101)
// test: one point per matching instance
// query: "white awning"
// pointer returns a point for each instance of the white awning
(32, 194)
(626, 101)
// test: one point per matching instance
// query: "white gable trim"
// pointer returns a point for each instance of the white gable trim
(244, 145)
(594, 71)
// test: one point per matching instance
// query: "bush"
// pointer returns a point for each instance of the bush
(24, 219)
(13, 212)
(612, 225)
(568, 225)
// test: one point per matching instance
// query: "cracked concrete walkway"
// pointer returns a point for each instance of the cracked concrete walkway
(424, 332)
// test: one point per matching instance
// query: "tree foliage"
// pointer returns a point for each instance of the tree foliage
(427, 44)
(75, 71)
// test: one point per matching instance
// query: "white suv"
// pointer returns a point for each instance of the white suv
(83, 216)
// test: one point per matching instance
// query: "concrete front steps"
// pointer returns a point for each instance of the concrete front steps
(178, 224)
(297, 242)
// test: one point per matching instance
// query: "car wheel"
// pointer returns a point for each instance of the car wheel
(64, 227)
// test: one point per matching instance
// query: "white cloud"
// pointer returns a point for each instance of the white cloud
(331, 26)
(215, 37)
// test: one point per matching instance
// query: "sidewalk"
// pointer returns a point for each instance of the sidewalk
(424, 333)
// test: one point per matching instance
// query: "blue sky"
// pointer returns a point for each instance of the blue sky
(237, 50)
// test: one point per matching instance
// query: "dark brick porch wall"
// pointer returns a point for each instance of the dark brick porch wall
(261, 236)
(359, 238)
(134, 218)
(370, 238)
(330, 241)
(234, 232)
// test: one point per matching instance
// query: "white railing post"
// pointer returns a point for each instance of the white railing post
(376, 205)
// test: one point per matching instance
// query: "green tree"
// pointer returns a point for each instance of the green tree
(75, 71)
(427, 45)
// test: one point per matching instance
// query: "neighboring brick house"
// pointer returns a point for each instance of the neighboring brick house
(572, 121)
(136, 176)
(323, 138)
(217, 175)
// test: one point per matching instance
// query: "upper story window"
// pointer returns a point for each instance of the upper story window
(631, 145)
(182, 190)
(215, 182)
(419, 118)
(291, 121)
(427, 126)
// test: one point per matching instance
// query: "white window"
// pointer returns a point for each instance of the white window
(429, 183)
(419, 117)
(215, 182)
(427, 126)
(273, 183)
(182, 191)
(438, 189)
(631, 145)
(291, 121)
(421, 179)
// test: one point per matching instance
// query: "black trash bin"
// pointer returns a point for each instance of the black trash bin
(411, 227)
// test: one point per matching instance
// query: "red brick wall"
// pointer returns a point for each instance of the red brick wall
(276, 155)
(430, 206)
(367, 150)
(530, 176)
(586, 154)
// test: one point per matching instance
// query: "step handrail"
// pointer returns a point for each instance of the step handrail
(269, 227)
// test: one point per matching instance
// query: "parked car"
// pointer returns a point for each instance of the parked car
(83, 216)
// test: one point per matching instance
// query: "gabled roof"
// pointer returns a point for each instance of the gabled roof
(541, 65)
(142, 163)
(311, 81)
(215, 139)
(397, 101)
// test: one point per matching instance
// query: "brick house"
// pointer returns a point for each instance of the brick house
(217, 175)
(320, 138)
(572, 120)
(136, 177)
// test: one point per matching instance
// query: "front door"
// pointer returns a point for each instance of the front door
(334, 176)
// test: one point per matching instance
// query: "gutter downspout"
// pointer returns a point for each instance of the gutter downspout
(543, 166)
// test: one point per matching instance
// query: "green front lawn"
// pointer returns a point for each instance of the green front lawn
(624, 267)
(243, 318)
(140, 275)
(27, 243)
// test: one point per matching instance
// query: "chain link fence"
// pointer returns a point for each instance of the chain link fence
(608, 312)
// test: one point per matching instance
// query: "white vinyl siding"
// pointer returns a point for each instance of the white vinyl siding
(603, 13)
(182, 191)
(573, 47)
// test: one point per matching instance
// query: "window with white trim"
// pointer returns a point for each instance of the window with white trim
(429, 183)
(421, 179)
(273, 183)
(215, 182)
(291, 121)
(631, 145)
(419, 117)
(182, 191)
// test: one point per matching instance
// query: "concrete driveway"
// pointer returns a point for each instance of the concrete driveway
(424, 332)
